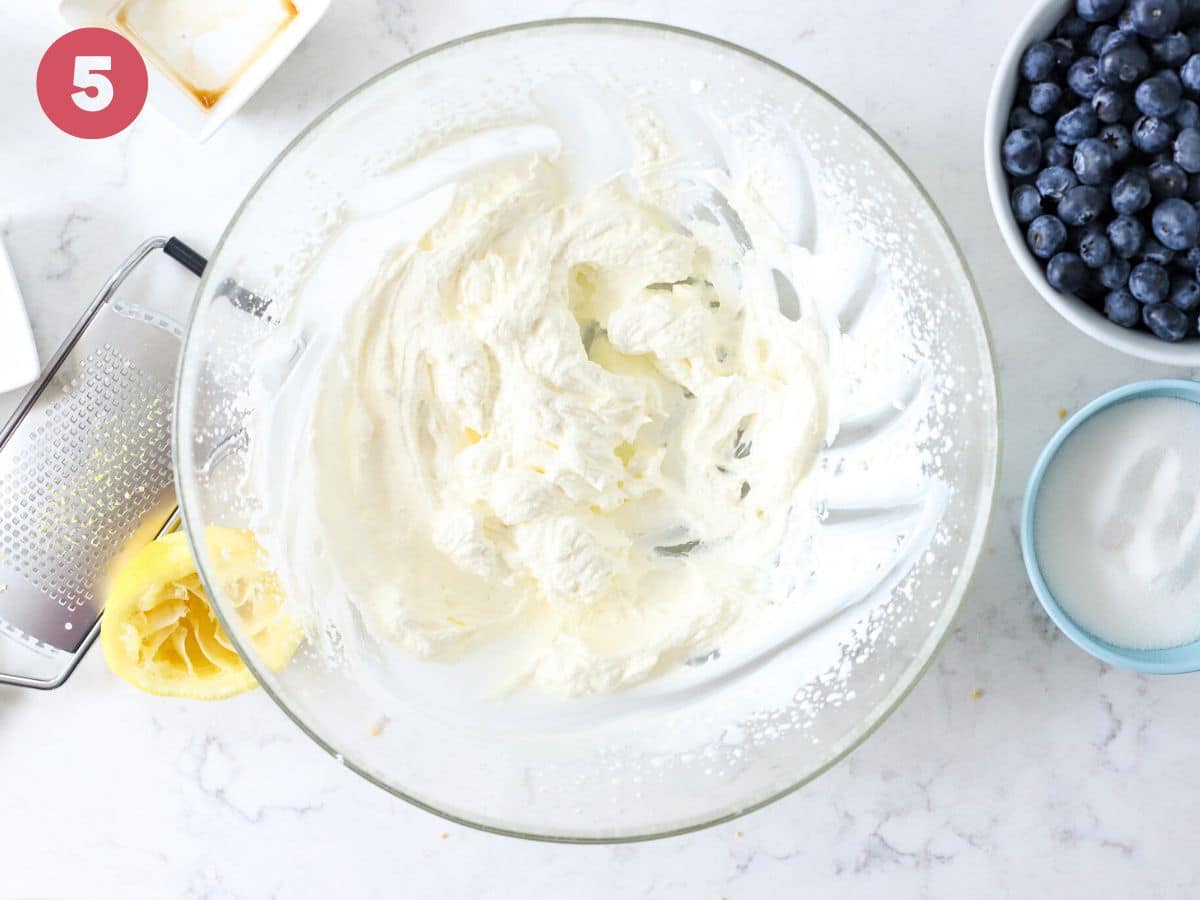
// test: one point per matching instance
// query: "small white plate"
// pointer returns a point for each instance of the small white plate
(174, 101)
(19, 363)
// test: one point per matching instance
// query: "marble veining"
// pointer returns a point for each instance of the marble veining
(1019, 767)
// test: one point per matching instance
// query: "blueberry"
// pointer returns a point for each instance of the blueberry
(1176, 224)
(1193, 190)
(1190, 73)
(1026, 203)
(1149, 282)
(1125, 21)
(1126, 235)
(1153, 251)
(1114, 274)
(1098, 10)
(1185, 292)
(1121, 307)
(1082, 204)
(1159, 95)
(1037, 64)
(1125, 63)
(1064, 53)
(1131, 193)
(1187, 150)
(1079, 123)
(1119, 38)
(1073, 28)
(1084, 76)
(1021, 117)
(1173, 50)
(1021, 153)
(1167, 179)
(1045, 96)
(1107, 103)
(1154, 18)
(1193, 34)
(1150, 135)
(1191, 261)
(1093, 161)
(1098, 37)
(1054, 182)
(1066, 272)
(1118, 140)
(1094, 248)
(1056, 153)
(1046, 236)
(1188, 114)
(1165, 321)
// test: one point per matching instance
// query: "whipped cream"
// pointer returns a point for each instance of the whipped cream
(572, 422)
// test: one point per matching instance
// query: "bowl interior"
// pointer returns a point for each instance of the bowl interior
(704, 744)
(1167, 661)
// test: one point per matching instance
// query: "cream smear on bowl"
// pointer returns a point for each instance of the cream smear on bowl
(1117, 524)
(204, 45)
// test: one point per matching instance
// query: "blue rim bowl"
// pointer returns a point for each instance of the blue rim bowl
(1168, 661)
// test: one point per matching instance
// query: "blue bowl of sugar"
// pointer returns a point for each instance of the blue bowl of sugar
(1110, 528)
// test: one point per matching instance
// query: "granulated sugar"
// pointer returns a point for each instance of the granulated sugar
(1117, 524)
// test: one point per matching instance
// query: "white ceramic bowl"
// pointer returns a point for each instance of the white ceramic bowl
(171, 100)
(1037, 25)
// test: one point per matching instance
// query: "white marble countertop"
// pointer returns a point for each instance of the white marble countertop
(1018, 767)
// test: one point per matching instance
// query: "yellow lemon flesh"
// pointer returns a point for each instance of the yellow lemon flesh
(160, 634)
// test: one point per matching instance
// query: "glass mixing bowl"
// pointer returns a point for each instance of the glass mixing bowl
(711, 741)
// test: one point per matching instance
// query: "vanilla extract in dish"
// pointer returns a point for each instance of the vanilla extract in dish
(1117, 524)
(205, 45)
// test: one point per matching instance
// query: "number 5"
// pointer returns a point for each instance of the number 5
(87, 77)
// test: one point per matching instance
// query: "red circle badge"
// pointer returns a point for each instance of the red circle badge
(92, 83)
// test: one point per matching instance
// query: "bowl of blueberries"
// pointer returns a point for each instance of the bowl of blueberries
(1093, 168)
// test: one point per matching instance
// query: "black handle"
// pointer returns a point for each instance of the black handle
(185, 256)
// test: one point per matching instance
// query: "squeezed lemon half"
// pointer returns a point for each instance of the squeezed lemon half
(160, 634)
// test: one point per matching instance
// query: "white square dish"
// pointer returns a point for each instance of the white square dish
(171, 98)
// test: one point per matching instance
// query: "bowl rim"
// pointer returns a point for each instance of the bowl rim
(937, 637)
(1177, 660)
(1141, 344)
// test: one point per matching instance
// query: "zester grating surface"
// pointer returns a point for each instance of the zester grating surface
(86, 477)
